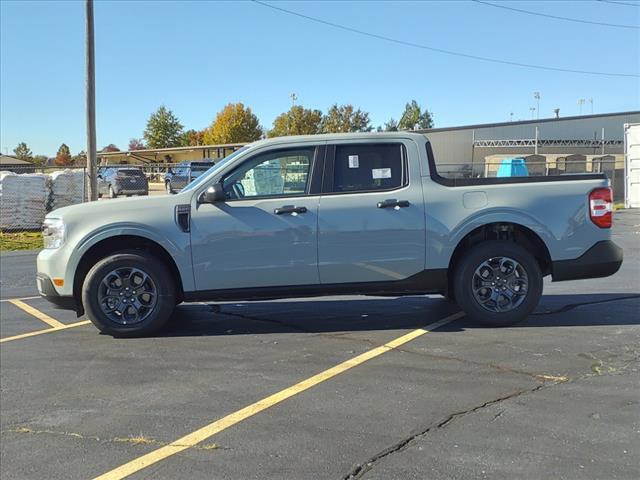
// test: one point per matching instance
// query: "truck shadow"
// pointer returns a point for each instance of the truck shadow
(338, 315)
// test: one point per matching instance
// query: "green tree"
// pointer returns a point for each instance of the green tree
(415, 118)
(391, 126)
(235, 123)
(63, 157)
(40, 160)
(192, 138)
(110, 148)
(297, 121)
(344, 119)
(79, 160)
(23, 152)
(163, 129)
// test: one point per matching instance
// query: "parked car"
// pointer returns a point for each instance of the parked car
(114, 181)
(332, 214)
(183, 174)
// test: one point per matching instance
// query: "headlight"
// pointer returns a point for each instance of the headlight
(53, 232)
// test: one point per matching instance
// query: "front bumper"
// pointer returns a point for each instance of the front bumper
(601, 260)
(47, 290)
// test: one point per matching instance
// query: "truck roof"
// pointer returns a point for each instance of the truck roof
(324, 137)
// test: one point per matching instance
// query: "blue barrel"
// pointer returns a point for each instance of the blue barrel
(513, 167)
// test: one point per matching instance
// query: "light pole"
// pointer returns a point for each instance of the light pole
(591, 102)
(294, 97)
(532, 109)
(90, 92)
(581, 102)
(511, 116)
(536, 95)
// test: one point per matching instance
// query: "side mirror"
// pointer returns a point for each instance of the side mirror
(213, 194)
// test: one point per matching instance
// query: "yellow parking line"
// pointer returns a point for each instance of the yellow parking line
(46, 330)
(21, 298)
(52, 322)
(192, 439)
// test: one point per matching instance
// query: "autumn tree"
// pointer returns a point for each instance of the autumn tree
(110, 148)
(297, 121)
(23, 152)
(136, 144)
(163, 129)
(344, 119)
(415, 118)
(192, 138)
(235, 123)
(63, 157)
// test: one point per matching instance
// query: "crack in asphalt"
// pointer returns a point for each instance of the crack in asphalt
(359, 470)
(571, 306)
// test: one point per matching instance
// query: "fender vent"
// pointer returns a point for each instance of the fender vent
(183, 217)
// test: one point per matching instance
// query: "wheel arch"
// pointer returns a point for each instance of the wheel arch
(113, 244)
(509, 231)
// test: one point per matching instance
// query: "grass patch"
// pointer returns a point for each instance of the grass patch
(20, 241)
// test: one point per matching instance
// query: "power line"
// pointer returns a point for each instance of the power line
(555, 17)
(440, 50)
(625, 4)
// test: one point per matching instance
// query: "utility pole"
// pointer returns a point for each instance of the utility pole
(536, 95)
(294, 97)
(591, 102)
(581, 102)
(511, 116)
(91, 104)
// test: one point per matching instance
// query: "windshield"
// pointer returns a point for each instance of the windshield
(204, 175)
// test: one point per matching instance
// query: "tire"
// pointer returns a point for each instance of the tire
(112, 192)
(523, 283)
(168, 187)
(153, 311)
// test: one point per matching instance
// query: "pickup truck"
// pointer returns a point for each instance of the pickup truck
(338, 214)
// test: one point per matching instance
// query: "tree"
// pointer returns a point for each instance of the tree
(80, 159)
(391, 126)
(39, 160)
(163, 129)
(110, 148)
(414, 118)
(136, 144)
(344, 118)
(192, 138)
(23, 152)
(297, 121)
(235, 123)
(63, 157)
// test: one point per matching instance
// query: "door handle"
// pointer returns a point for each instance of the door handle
(289, 209)
(393, 203)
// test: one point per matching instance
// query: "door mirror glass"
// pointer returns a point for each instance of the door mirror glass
(213, 194)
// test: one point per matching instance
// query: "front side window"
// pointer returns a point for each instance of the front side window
(278, 173)
(369, 167)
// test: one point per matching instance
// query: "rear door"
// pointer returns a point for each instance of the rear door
(371, 216)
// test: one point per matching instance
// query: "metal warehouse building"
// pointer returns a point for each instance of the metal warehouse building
(587, 143)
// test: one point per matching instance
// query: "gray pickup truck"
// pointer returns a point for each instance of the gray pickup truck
(328, 215)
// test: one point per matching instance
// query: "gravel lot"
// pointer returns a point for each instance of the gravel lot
(555, 397)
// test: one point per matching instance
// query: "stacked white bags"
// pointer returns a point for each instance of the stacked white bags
(23, 200)
(67, 188)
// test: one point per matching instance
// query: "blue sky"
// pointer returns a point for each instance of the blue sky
(195, 57)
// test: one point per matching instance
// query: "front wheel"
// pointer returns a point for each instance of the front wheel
(498, 283)
(129, 294)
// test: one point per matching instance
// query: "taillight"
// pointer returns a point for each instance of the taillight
(601, 207)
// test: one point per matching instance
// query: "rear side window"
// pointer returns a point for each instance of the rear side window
(369, 167)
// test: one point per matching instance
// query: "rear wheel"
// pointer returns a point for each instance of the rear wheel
(498, 283)
(129, 294)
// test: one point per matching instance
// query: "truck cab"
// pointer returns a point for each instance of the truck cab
(328, 215)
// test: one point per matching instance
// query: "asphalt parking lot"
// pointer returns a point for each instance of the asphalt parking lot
(333, 388)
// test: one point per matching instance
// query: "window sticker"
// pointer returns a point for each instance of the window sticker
(381, 173)
(354, 161)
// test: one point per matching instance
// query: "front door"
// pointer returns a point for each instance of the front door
(265, 233)
(371, 216)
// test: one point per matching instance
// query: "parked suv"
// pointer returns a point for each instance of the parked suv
(114, 181)
(340, 214)
(183, 174)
